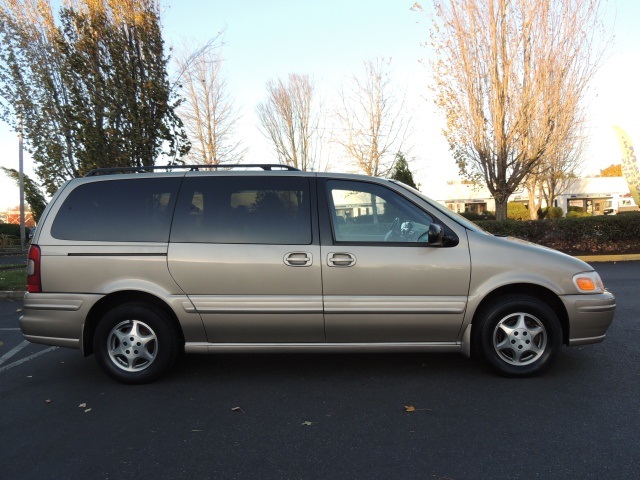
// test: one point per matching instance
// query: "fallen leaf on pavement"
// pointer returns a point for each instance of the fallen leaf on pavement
(409, 408)
(237, 409)
(82, 405)
(307, 423)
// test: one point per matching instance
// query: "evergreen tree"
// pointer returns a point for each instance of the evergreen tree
(401, 171)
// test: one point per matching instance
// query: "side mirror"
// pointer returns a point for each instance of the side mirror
(433, 236)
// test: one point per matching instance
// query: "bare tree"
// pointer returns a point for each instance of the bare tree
(208, 111)
(510, 78)
(555, 174)
(373, 119)
(290, 120)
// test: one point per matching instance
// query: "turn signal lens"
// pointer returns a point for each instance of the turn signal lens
(588, 282)
(585, 284)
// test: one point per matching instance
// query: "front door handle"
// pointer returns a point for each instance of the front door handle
(341, 259)
(298, 259)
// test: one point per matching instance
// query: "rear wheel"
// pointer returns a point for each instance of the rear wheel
(517, 336)
(135, 343)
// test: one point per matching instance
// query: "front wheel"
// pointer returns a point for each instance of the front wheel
(135, 343)
(517, 336)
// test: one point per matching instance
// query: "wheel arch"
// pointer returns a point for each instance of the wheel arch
(115, 299)
(536, 291)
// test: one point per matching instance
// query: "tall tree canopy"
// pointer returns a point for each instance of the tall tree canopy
(290, 120)
(373, 119)
(208, 111)
(89, 88)
(510, 79)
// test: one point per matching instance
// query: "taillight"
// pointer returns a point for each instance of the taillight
(34, 281)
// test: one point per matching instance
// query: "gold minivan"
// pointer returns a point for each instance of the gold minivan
(137, 265)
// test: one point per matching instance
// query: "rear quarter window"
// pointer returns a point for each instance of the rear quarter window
(128, 210)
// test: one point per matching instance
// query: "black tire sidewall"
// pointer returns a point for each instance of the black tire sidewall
(157, 320)
(494, 313)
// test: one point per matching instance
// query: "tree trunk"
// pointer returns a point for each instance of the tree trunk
(501, 210)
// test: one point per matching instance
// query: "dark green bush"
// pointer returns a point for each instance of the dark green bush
(10, 229)
(599, 234)
(479, 216)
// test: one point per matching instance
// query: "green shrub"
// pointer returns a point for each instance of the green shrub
(10, 229)
(550, 212)
(578, 214)
(473, 216)
(517, 211)
(591, 234)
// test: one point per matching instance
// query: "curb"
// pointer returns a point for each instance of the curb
(632, 257)
(11, 295)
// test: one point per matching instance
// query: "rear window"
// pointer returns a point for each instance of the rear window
(128, 210)
(243, 210)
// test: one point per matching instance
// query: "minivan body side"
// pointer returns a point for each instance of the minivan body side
(250, 261)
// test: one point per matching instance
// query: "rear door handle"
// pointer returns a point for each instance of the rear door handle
(341, 259)
(298, 259)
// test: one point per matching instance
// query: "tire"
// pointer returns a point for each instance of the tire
(517, 336)
(135, 343)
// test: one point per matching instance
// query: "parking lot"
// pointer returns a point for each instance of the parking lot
(326, 416)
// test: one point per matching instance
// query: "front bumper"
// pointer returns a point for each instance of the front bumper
(589, 316)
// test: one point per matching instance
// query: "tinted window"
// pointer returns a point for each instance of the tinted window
(131, 210)
(367, 213)
(264, 210)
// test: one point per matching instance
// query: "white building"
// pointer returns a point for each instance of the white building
(597, 195)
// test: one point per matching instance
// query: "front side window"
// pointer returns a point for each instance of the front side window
(368, 213)
(244, 210)
(129, 210)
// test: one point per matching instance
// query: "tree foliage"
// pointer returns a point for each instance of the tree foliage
(401, 171)
(208, 111)
(290, 120)
(510, 79)
(90, 87)
(373, 119)
(33, 195)
(612, 171)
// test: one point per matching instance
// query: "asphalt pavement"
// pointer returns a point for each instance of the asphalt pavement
(326, 416)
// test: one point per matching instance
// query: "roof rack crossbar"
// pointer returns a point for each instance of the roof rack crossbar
(191, 168)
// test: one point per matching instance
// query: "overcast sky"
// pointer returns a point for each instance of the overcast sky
(330, 39)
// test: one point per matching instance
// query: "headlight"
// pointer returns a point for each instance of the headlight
(588, 282)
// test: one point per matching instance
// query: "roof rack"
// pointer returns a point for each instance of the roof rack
(192, 168)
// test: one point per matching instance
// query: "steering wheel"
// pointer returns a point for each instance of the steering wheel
(394, 232)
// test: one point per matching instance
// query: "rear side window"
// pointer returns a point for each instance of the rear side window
(245, 210)
(129, 210)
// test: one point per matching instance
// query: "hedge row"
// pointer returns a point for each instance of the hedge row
(599, 234)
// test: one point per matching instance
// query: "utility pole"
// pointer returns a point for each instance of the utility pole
(21, 176)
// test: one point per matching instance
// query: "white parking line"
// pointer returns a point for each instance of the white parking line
(9, 329)
(13, 351)
(26, 359)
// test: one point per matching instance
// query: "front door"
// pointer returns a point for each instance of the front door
(382, 282)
